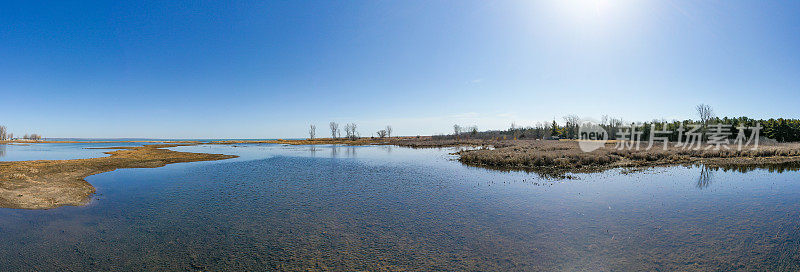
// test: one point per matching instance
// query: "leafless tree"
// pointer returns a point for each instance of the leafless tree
(572, 125)
(11, 136)
(3, 133)
(456, 130)
(705, 113)
(351, 130)
(334, 130)
(312, 131)
(382, 133)
(26, 137)
(473, 130)
(389, 131)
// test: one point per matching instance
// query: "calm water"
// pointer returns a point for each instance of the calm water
(380, 207)
(56, 151)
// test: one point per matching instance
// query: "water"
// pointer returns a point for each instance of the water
(56, 151)
(381, 207)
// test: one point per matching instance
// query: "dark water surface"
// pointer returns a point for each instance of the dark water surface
(390, 208)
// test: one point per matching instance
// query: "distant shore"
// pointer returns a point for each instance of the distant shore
(418, 141)
(93, 141)
(555, 158)
(47, 184)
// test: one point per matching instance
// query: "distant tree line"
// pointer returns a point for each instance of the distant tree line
(7, 136)
(34, 137)
(387, 132)
(782, 130)
(350, 131)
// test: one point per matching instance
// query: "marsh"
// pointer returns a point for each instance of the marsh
(335, 207)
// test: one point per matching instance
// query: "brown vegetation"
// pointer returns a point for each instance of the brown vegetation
(560, 157)
(556, 158)
(49, 184)
(416, 142)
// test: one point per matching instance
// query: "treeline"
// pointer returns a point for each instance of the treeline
(782, 130)
(7, 136)
(350, 131)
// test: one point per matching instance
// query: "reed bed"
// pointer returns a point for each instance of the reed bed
(566, 156)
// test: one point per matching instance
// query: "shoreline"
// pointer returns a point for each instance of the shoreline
(95, 142)
(47, 184)
(557, 159)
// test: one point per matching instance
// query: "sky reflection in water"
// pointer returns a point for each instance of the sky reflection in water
(365, 208)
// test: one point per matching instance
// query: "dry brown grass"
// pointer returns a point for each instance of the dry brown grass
(49, 184)
(555, 158)
(417, 142)
(317, 141)
(22, 141)
(566, 156)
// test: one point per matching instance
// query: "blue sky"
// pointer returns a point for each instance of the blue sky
(261, 69)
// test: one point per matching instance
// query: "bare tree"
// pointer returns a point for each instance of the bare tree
(3, 133)
(473, 130)
(334, 130)
(382, 133)
(705, 113)
(312, 131)
(351, 131)
(572, 125)
(456, 130)
(389, 131)
(11, 136)
(26, 137)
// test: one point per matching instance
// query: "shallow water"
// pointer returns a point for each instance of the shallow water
(382, 207)
(56, 151)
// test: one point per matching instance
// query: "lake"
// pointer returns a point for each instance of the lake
(57, 151)
(282, 207)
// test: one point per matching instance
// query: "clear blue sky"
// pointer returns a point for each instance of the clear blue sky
(261, 69)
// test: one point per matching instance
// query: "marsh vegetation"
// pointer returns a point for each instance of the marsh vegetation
(566, 156)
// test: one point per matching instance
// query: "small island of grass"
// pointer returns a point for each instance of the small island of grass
(49, 184)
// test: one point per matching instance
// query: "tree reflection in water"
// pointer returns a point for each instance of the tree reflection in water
(706, 176)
